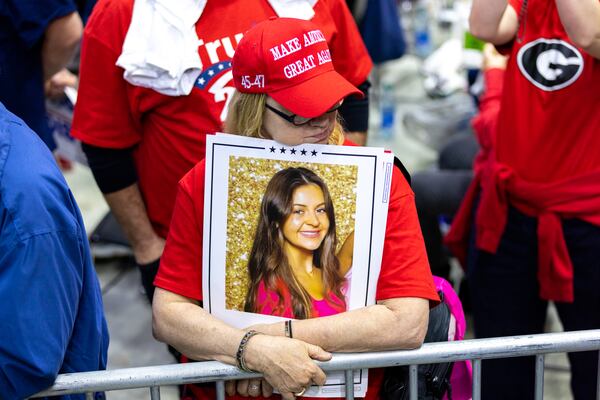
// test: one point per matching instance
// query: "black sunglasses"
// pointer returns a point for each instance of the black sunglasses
(296, 119)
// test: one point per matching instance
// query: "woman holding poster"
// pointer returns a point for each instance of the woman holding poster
(293, 268)
(288, 91)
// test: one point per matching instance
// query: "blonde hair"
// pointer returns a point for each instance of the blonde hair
(245, 117)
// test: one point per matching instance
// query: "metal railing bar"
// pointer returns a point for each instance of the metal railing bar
(476, 379)
(349, 375)
(155, 393)
(141, 377)
(209, 371)
(505, 347)
(89, 396)
(598, 379)
(220, 390)
(413, 387)
(539, 376)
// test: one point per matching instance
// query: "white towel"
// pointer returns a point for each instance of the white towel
(160, 50)
(301, 9)
(161, 47)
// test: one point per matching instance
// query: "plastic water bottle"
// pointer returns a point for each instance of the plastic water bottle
(387, 108)
(422, 38)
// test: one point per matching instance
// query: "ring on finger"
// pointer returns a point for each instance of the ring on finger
(300, 393)
(254, 387)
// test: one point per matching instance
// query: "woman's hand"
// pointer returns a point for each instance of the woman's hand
(55, 86)
(287, 364)
(249, 388)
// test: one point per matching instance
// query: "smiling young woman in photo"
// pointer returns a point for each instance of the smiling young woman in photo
(293, 268)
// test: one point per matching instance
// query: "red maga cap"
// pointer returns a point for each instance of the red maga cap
(288, 59)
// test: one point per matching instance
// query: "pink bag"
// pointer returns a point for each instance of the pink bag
(461, 380)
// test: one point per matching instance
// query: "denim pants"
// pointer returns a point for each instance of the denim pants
(504, 296)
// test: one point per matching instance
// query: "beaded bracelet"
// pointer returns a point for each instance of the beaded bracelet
(239, 355)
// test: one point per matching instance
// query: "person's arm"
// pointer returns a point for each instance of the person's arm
(60, 42)
(55, 86)
(116, 176)
(130, 211)
(108, 125)
(39, 288)
(399, 323)
(493, 21)
(581, 20)
(484, 123)
(287, 364)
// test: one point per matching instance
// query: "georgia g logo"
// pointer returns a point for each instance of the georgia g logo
(550, 64)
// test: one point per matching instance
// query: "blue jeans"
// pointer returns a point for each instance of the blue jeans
(504, 295)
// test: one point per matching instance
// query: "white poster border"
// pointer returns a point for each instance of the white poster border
(372, 195)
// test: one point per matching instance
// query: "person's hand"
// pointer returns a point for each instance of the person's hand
(55, 86)
(249, 388)
(493, 59)
(287, 364)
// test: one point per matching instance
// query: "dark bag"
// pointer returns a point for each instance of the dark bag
(433, 380)
(381, 31)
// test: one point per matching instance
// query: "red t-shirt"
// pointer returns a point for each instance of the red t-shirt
(404, 272)
(549, 123)
(547, 141)
(170, 131)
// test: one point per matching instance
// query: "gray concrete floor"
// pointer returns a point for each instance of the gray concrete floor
(129, 315)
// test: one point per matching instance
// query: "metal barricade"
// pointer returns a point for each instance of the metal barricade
(213, 371)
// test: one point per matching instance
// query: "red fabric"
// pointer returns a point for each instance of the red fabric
(485, 122)
(484, 125)
(170, 131)
(548, 136)
(545, 161)
(573, 198)
(404, 273)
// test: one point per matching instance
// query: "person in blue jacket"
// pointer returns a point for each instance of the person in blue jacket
(51, 317)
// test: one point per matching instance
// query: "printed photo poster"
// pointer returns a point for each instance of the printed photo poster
(266, 202)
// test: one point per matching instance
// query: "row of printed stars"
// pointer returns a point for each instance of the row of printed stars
(283, 150)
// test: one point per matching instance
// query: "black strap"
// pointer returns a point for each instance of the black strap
(113, 169)
(398, 164)
(355, 111)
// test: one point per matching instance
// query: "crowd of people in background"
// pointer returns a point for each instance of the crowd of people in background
(524, 210)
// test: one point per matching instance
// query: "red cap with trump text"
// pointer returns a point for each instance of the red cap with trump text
(289, 60)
